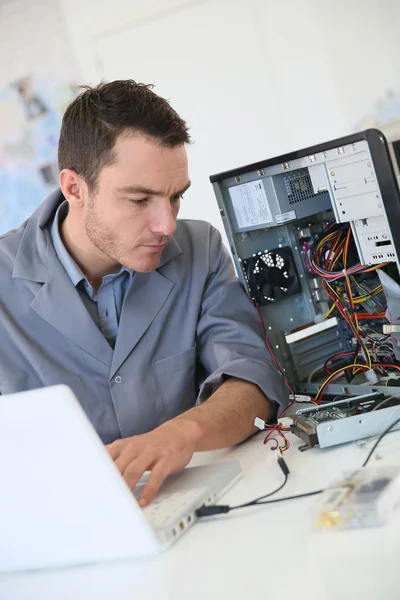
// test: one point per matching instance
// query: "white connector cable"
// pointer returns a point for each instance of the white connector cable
(300, 398)
(285, 421)
(259, 423)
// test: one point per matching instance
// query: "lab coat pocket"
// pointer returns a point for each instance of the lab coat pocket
(176, 378)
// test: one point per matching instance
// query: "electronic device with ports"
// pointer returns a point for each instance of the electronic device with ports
(315, 238)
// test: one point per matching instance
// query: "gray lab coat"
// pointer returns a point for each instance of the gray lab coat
(183, 327)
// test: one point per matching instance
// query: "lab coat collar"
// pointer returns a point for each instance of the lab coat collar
(31, 261)
(58, 301)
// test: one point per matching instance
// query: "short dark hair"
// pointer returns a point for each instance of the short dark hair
(94, 120)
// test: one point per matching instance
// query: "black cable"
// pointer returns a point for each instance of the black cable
(257, 500)
(378, 441)
(350, 376)
(217, 509)
(292, 497)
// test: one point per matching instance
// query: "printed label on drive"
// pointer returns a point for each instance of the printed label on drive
(250, 204)
(284, 217)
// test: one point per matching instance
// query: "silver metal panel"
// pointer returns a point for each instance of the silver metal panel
(285, 204)
(369, 233)
(340, 431)
(319, 177)
(354, 186)
(349, 389)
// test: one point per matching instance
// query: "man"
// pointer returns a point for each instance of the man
(142, 316)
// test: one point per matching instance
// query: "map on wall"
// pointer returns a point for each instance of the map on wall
(31, 110)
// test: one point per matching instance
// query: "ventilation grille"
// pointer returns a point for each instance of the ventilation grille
(299, 187)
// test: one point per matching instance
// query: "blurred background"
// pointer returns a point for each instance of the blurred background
(253, 78)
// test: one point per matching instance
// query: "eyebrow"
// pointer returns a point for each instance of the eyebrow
(138, 189)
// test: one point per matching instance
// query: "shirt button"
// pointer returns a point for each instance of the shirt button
(118, 379)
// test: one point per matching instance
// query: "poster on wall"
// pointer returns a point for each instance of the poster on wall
(31, 110)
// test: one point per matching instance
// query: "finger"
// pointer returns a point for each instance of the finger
(159, 473)
(128, 455)
(135, 469)
(114, 449)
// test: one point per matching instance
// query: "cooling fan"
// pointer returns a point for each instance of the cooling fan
(272, 275)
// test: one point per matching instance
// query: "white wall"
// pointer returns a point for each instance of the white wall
(34, 41)
(254, 78)
(333, 60)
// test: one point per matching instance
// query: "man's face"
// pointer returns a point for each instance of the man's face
(131, 216)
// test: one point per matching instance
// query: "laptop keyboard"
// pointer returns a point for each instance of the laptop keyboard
(170, 506)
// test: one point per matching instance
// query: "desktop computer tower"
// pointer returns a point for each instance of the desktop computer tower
(315, 239)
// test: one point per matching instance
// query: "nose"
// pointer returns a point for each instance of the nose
(164, 220)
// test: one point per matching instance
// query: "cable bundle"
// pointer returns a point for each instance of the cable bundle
(344, 284)
(329, 258)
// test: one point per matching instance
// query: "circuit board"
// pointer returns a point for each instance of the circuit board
(325, 414)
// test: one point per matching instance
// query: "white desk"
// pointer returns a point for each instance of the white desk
(270, 550)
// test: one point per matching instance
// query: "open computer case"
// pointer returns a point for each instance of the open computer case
(315, 238)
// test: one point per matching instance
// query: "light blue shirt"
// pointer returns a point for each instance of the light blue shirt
(103, 304)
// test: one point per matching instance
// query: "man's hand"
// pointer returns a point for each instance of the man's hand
(224, 420)
(165, 450)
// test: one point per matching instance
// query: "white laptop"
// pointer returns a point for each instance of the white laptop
(62, 500)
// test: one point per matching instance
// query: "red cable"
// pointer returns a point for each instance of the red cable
(273, 356)
(334, 357)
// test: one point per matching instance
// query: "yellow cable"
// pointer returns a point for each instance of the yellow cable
(364, 367)
(326, 315)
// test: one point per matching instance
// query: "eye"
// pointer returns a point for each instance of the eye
(177, 198)
(141, 201)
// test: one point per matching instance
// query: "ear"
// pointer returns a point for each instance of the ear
(73, 187)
